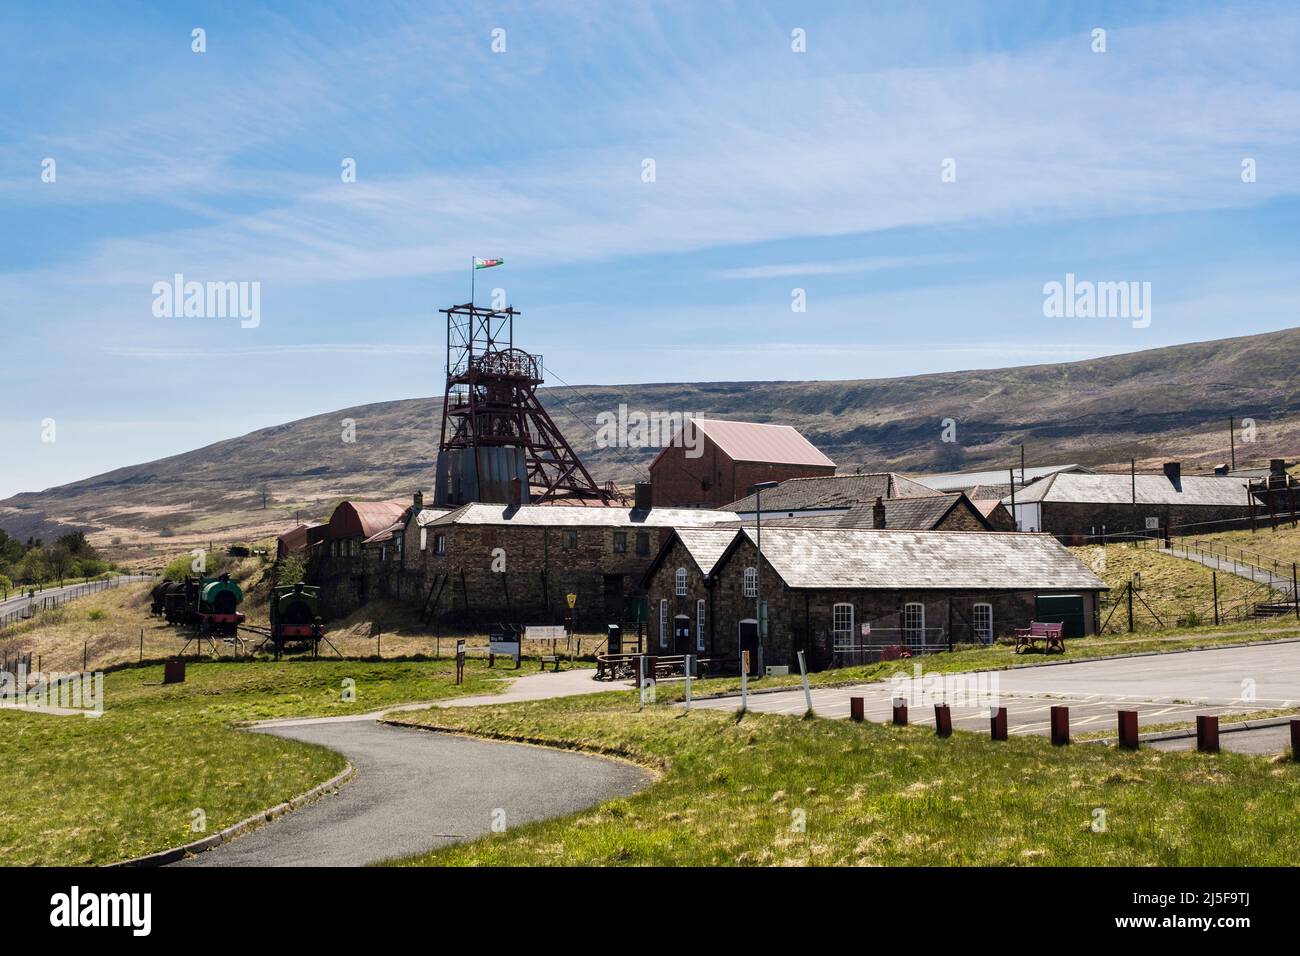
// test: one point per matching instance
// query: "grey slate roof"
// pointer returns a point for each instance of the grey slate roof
(901, 514)
(706, 545)
(824, 558)
(480, 513)
(832, 491)
(1151, 490)
(966, 480)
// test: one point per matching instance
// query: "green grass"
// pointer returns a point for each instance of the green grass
(1281, 545)
(90, 791)
(732, 792)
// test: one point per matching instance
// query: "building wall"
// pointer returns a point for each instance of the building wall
(713, 479)
(528, 580)
(802, 619)
(963, 517)
(1068, 518)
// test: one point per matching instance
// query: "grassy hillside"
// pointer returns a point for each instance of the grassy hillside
(1164, 403)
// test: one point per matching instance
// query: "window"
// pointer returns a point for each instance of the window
(680, 581)
(569, 539)
(643, 543)
(751, 582)
(439, 544)
(383, 552)
(663, 623)
(620, 542)
(914, 624)
(842, 625)
(983, 620)
(699, 626)
(424, 539)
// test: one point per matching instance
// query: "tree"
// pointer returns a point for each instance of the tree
(60, 561)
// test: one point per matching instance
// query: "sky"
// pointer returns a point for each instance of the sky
(680, 192)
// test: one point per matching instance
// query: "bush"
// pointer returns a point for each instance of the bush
(96, 614)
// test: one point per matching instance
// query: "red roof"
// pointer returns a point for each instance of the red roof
(752, 441)
(362, 519)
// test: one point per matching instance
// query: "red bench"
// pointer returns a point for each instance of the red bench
(1052, 636)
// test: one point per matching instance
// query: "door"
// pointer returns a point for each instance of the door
(748, 641)
(682, 635)
(1064, 609)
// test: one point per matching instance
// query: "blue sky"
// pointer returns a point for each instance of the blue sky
(774, 170)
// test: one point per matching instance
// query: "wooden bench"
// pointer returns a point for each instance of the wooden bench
(1052, 636)
(551, 659)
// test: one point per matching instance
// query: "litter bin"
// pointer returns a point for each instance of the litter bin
(173, 672)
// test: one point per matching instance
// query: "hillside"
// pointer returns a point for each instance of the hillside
(1164, 403)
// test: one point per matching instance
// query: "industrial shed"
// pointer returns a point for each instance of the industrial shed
(1071, 505)
(732, 456)
(842, 594)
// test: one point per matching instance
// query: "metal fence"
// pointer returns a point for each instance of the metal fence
(31, 606)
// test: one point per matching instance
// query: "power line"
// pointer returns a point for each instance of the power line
(586, 398)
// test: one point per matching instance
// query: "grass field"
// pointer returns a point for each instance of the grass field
(1282, 545)
(734, 792)
(90, 791)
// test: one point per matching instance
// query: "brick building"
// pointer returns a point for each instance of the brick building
(839, 594)
(728, 459)
(347, 561)
(1069, 504)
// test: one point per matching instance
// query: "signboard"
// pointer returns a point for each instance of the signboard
(545, 632)
(505, 644)
(866, 630)
(572, 599)
(1153, 524)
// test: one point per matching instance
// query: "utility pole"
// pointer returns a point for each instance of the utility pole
(1232, 442)
(1022, 464)
(1015, 519)
(1133, 479)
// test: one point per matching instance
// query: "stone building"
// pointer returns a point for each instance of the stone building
(481, 564)
(1077, 505)
(936, 512)
(726, 458)
(841, 594)
(828, 494)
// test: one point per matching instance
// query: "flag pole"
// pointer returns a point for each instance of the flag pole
(471, 281)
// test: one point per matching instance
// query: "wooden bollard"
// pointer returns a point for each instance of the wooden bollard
(998, 724)
(1128, 729)
(900, 712)
(1207, 733)
(856, 709)
(942, 720)
(1060, 725)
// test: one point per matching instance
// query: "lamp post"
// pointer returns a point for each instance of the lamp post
(758, 566)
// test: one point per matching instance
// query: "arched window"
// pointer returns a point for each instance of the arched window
(699, 625)
(983, 622)
(681, 582)
(751, 582)
(663, 623)
(914, 624)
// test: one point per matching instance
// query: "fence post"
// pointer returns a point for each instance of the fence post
(688, 682)
(1214, 583)
(807, 694)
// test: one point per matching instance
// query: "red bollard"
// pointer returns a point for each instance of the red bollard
(1128, 729)
(942, 720)
(1060, 725)
(1207, 734)
(1295, 740)
(856, 709)
(998, 724)
(900, 712)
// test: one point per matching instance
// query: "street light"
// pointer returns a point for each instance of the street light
(758, 566)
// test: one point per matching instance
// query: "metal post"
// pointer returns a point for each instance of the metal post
(1214, 583)
(1129, 592)
(807, 694)
(1060, 725)
(900, 712)
(857, 710)
(744, 681)
(1207, 734)
(998, 724)
(688, 682)
(942, 720)
(1128, 729)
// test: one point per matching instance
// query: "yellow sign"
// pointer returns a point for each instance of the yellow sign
(744, 661)
(572, 599)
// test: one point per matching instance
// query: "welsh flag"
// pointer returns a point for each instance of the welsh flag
(487, 263)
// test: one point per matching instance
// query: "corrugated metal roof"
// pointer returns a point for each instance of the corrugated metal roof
(365, 518)
(832, 491)
(548, 516)
(754, 441)
(965, 480)
(863, 559)
(1117, 489)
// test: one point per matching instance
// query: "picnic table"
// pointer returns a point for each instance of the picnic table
(1052, 636)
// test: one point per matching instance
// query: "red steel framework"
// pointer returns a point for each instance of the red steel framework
(491, 401)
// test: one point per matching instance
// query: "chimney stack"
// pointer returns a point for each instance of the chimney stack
(1277, 467)
(1221, 471)
(1174, 471)
(516, 493)
(418, 500)
(878, 513)
(641, 496)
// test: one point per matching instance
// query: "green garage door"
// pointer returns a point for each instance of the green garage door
(1064, 609)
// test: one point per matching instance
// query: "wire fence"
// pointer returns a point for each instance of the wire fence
(28, 605)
